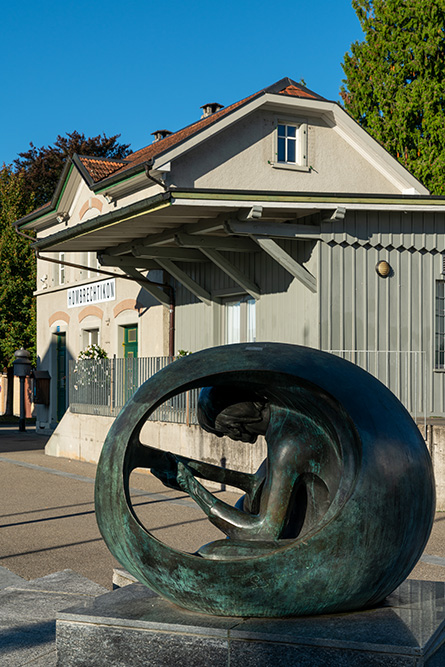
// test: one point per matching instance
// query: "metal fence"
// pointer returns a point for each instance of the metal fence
(103, 386)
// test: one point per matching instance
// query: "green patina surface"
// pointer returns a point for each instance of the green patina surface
(346, 426)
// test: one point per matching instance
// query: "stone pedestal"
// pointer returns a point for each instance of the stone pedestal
(133, 626)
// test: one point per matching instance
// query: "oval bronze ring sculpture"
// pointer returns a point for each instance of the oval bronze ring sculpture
(335, 518)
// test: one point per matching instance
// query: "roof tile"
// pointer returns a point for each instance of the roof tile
(175, 138)
(100, 168)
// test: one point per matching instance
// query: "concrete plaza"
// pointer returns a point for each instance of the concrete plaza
(48, 526)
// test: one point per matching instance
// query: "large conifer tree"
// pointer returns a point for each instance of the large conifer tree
(395, 82)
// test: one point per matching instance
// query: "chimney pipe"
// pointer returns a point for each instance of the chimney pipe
(210, 108)
(160, 134)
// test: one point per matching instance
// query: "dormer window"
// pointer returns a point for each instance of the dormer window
(291, 145)
(287, 143)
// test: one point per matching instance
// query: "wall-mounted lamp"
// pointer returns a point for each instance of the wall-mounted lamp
(109, 198)
(254, 213)
(383, 268)
(62, 217)
(337, 215)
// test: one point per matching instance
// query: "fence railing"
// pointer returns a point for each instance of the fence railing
(103, 386)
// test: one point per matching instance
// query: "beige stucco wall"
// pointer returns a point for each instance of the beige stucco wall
(241, 158)
(132, 306)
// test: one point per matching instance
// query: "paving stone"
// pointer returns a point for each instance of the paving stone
(23, 642)
(8, 578)
(28, 615)
(66, 581)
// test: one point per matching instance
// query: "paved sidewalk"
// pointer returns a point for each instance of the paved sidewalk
(47, 518)
(48, 524)
(51, 550)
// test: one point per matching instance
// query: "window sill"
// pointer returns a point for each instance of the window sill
(288, 165)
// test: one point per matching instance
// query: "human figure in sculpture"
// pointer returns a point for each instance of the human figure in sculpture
(287, 493)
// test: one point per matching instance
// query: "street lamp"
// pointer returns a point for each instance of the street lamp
(22, 369)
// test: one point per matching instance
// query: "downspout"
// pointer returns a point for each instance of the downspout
(171, 321)
(148, 167)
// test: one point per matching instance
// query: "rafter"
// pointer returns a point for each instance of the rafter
(228, 243)
(180, 275)
(156, 292)
(287, 262)
(278, 230)
(177, 254)
(125, 261)
(233, 271)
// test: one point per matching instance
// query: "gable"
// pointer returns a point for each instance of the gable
(243, 157)
(236, 148)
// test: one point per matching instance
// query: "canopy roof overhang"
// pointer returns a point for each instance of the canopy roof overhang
(167, 213)
(202, 225)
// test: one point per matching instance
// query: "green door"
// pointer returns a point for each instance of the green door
(131, 362)
(61, 374)
(130, 342)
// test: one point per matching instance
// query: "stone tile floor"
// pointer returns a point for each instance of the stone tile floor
(28, 611)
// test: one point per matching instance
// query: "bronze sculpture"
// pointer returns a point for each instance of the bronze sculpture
(334, 519)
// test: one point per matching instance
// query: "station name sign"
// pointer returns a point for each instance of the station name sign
(104, 290)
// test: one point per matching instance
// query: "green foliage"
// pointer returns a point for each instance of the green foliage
(17, 272)
(43, 166)
(28, 184)
(183, 353)
(395, 82)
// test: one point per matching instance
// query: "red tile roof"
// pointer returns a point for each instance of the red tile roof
(297, 91)
(99, 170)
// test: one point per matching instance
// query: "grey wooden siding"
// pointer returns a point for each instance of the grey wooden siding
(286, 312)
(353, 309)
(360, 310)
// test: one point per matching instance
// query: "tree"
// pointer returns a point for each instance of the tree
(17, 272)
(395, 82)
(43, 166)
(27, 184)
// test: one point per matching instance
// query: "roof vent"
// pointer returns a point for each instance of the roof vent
(160, 134)
(210, 108)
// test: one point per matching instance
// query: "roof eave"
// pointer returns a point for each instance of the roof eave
(101, 221)
(52, 205)
(114, 179)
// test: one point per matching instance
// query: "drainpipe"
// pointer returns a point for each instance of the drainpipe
(171, 320)
(148, 168)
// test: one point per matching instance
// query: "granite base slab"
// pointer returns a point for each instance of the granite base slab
(28, 614)
(132, 625)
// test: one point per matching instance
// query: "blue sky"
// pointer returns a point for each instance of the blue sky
(135, 67)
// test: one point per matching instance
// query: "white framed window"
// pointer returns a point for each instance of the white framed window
(239, 320)
(90, 337)
(290, 146)
(287, 144)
